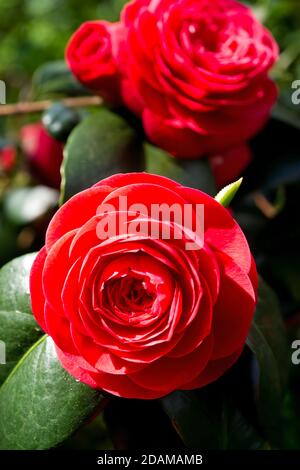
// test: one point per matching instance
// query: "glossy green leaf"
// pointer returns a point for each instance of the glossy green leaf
(226, 195)
(101, 145)
(206, 419)
(269, 320)
(197, 419)
(14, 284)
(56, 78)
(59, 120)
(240, 434)
(267, 341)
(18, 328)
(266, 382)
(18, 331)
(193, 173)
(287, 115)
(41, 405)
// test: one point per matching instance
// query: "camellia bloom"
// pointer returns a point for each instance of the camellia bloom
(90, 56)
(138, 315)
(44, 153)
(196, 73)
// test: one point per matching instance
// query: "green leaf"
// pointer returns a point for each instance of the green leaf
(240, 434)
(267, 341)
(269, 320)
(226, 194)
(193, 173)
(101, 145)
(41, 405)
(56, 78)
(205, 419)
(286, 115)
(18, 331)
(14, 284)
(59, 120)
(198, 421)
(23, 206)
(18, 328)
(267, 383)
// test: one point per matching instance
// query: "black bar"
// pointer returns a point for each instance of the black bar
(148, 458)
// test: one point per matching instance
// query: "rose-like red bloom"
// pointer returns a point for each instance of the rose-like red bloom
(228, 165)
(90, 56)
(137, 315)
(196, 73)
(43, 152)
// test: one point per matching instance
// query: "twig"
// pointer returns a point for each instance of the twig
(264, 205)
(38, 106)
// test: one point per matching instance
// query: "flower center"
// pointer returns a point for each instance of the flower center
(130, 293)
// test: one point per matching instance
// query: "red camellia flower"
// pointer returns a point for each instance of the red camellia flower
(196, 72)
(44, 153)
(90, 56)
(136, 314)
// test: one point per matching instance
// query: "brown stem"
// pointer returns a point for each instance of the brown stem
(264, 205)
(38, 106)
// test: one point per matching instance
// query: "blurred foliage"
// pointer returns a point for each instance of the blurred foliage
(282, 17)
